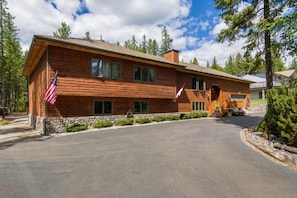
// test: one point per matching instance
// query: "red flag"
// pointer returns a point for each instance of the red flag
(51, 92)
(178, 94)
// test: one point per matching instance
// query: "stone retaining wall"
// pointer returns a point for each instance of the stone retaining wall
(258, 107)
(57, 125)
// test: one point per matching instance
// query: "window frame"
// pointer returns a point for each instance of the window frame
(146, 74)
(103, 106)
(199, 85)
(198, 106)
(113, 68)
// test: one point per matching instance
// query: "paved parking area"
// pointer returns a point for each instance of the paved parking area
(192, 158)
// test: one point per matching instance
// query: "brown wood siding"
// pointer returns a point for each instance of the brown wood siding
(69, 106)
(74, 70)
(227, 87)
(37, 87)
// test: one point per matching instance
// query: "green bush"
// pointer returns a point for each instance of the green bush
(142, 120)
(102, 124)
(125, 121)
(184, 116)
(76, 127)
(282, 112)
(159, 118)
(171, 117)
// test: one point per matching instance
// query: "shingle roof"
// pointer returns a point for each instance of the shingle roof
(287, 73)
(99, 45)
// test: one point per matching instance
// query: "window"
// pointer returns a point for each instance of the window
(102, 107)
(106, 68)
(237, 97)
(144, 74)
(198, 106)
(198, 84)
(140, 107)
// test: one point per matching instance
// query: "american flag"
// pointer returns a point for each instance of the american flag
(51, 92)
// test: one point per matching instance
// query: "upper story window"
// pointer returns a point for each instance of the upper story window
(105, 68)
(144, 74)
(198, 84)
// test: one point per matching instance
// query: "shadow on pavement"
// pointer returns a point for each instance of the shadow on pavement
(25, 139)
(246, 121)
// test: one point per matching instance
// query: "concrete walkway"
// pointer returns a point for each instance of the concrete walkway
(17, 130)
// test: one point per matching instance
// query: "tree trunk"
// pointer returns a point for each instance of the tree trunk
(267, 47)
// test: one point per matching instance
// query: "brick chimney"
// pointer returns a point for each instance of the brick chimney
(172, 55)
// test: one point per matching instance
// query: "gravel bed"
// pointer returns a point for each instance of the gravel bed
(268, 147)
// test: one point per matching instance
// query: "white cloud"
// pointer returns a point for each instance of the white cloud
(118, 20)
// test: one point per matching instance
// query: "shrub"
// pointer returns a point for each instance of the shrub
(195, 114)
(282, 112)
(125, 121)
(171, 117)
(102, 124)
(159, 118)
(142, 120)
(76, 127)
(185, 116)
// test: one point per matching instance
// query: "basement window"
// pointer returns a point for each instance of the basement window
(140, 106)
(102, 107)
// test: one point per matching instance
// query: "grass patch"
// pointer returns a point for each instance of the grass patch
(76, 127)
(103, 124)
(258, 101)
(4, 122)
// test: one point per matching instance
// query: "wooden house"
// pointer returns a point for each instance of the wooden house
(96, 78)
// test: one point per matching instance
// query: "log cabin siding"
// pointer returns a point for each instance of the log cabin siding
(37, 87)
(69, 106)
(227, 87)
(75, 78)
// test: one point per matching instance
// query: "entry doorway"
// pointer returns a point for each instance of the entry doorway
(215, 92)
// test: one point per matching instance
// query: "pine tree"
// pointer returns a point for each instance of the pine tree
(260, 21)
(12, 61)
(293, 64)
(215, 65)
(166, 41)
(63, 31)
(195, 61)
(87, 36)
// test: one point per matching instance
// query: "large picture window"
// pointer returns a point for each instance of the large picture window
(198, 84)
(140, 106)
(105, 68)
(144, 74)
(102, 107)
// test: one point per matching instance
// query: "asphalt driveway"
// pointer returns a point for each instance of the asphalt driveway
(193, 158)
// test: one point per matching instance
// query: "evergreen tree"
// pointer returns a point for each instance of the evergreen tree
(143, 47)
(293, 64)
(259, 22)
(63, 31)
(12, 60)
(87, 36)
(215, 65)
(230, 67)
(166, 41)
(207, 64)
(195, 61)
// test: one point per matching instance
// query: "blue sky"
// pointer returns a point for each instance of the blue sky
(193, 25)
